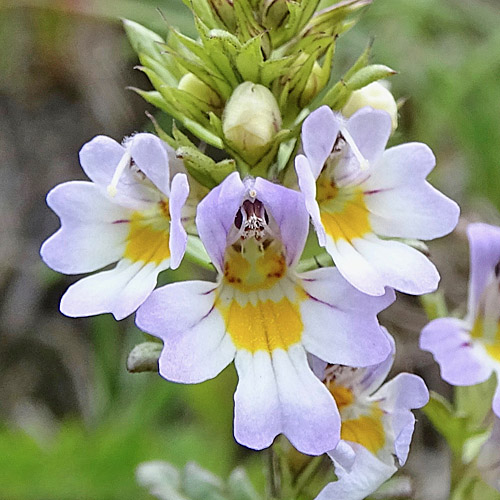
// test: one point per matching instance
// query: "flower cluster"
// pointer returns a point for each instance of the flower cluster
(310, 353)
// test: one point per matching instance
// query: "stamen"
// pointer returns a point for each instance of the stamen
(363, 162)
(120, 168)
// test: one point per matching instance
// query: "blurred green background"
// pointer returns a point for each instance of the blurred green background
(73, 423)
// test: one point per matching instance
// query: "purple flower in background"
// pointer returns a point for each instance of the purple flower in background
(130, 214)
(265, 316)
(360, 196)
(468, 350)
(377, 425)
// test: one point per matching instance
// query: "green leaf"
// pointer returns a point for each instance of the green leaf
(367, 75)
(474, 401)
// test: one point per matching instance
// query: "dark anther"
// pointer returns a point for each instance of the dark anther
(497, 269)
(339, 142)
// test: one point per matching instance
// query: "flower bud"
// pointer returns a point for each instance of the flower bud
(375, 95)
(274, 13)
(224, 11)
(251, 119)
(191, 84)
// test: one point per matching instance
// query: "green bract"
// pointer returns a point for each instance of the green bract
(285, 48)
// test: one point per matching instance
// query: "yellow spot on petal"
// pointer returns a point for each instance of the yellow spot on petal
(367, 430)
(343, 213)
(265, 326)
(148, 237)
(489, 335)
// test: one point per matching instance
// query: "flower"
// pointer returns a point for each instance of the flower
(265, 316)
(377, 425)
(130, 214)
(361, 197)
(468, 350)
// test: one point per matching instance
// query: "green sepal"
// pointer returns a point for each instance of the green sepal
(161, 69)
(203, 168)
(223, 12)
(160, 132)
(367, 75)
(153, 97)
(474, 401)
(202, 9)
(196, 253)
(143, 40)
(249, 60)
(261, 167)
(454, 428)
(274, 68)
(245, 21)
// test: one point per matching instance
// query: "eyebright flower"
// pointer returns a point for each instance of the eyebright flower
(360, 197)
(130, 214)
(265, 316)
(468, 350)
(377, 425)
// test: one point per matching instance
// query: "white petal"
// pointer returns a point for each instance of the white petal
(280, 394)
(367, 474)
(119, 291)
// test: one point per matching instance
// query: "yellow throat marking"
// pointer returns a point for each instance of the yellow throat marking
(343, 210)
(271, 320)
(492, 346)
(148, 237)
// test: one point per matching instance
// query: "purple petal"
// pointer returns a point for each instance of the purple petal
(460, 360)
(89, 237)
(178, 236)
(196, 346)
(344, 455)
(496, 397)
(278, 393)
(319, 133)
(307, 185)
(484, 241)
(119, 291)
(150, 155)
(216, 213)
(288, 210)
(370, 128)
(354, 336)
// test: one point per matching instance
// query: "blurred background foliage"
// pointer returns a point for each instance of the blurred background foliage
(73, 422)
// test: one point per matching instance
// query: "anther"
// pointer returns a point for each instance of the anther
(120, 168)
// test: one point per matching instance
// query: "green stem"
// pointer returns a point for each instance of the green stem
(309, 472)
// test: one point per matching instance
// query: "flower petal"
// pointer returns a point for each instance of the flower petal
(319, 133)
(415, 210)
(216, 213)
(370, 128)
(99, 159)
(150, 155)
(484, 241)
(400, 266)
(278, 393)
(119, 291)
(196, 346)
(307, 185)
(366, 475)
(460, 360)
(178, 236)
(344, 455)
(93, 231)
(289, 211)
(355, 337)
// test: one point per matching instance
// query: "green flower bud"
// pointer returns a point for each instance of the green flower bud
(375, 95)
(191, 84)
(251, 120)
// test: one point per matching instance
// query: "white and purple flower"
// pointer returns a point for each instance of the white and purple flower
(130, 214)
(361, 196)
(377, 425)
(265, 316)
(468, 350)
